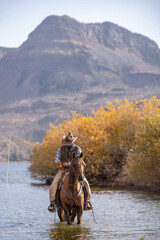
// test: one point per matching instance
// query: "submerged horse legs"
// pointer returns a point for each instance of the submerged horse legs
(74, 213)
(67, 212)
(79, 214)
(61, 214)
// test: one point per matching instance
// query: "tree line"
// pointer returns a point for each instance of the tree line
(120, 142)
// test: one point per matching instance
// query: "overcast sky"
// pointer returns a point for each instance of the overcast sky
(20, 17)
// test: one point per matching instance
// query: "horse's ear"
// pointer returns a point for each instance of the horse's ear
(81, 155)
(74, 155)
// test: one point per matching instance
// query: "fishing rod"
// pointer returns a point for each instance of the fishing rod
(94, 216)
(9, 150)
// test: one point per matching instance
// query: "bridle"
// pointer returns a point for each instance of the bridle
(72, 198)
(76, 158)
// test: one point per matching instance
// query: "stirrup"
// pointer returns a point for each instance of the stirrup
(88, 206)
(52, 207)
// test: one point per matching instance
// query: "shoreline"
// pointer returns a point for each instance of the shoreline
(103, 185)
(128, 187)
(115, 186)
(24, 161)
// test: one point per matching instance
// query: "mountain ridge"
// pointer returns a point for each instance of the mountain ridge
(63, 55)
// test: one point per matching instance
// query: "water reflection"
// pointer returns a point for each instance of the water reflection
(65, 232)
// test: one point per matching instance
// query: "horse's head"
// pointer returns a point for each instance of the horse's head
(77, 165)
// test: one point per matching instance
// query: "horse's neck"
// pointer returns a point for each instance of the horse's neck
(72, 178)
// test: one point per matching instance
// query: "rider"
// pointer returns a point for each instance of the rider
(63, 159)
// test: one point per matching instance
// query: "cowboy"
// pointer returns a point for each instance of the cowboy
(63, 159)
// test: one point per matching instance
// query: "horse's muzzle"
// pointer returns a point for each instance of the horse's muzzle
(80, 178)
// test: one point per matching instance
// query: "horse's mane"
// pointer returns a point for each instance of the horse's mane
(80, 160)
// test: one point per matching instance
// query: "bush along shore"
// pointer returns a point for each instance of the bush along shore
(120, 142)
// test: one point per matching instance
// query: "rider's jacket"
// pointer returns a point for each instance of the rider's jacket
(66, 154)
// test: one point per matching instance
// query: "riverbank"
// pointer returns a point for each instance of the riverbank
(117, 186)
(129, 187)
(24, 161)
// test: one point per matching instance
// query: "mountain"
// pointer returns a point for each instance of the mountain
(4, 51)
(62, 54)
(66, 65)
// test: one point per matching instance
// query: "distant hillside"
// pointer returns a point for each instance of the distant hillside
(66, 65)
(4, 51)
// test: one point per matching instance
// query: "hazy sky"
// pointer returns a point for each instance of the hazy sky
(20, 17)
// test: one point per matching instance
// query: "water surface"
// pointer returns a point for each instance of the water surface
(120, 214)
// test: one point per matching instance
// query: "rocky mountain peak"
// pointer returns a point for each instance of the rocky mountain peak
(56, 28)
(63, 55)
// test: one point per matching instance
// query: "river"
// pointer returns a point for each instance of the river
(120, 214)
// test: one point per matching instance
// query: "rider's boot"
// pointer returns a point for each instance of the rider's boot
(52, 207)
(88, 205)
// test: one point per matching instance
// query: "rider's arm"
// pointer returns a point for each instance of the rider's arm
(58, 157)
(79, 151)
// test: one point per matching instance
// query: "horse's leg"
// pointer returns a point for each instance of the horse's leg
(67, 212)
(79, 214)
(61, 214)
(74, 213)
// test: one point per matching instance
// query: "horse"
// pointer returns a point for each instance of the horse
(71, 192)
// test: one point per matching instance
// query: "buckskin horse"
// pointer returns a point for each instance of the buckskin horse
(71, 193)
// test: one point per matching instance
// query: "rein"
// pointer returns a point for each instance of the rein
(75, 196)
(72, 184)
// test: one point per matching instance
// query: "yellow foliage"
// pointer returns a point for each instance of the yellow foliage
(106, 137)
(143, 163)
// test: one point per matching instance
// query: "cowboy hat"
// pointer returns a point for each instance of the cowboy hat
(68, 139)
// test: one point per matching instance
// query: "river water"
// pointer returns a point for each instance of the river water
(120, 214)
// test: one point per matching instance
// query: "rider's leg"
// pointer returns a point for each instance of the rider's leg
(53, 189)
(87, 205)
(88, 189)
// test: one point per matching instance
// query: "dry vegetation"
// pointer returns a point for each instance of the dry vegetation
(119, 141)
